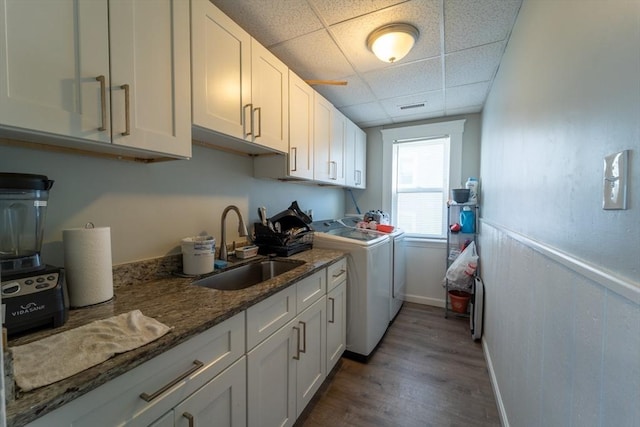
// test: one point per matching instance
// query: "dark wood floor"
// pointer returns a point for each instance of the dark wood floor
(427, 371)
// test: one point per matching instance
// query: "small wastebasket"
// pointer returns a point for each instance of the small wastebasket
(459, 301)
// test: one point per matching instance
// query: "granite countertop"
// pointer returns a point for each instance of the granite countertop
(188, 309)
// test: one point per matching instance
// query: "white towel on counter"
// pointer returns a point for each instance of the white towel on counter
(60, 356)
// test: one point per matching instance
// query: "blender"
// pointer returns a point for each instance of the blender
(33, 293)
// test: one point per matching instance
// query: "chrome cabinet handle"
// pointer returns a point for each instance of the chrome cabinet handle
(304, 337)
(127, 115)
(333, 170)
(244, 120)
(339, 273)
(103, 102)
(190, 418)
(297, 356)
(259, 110)
(358, 177)
(333, 310)
(149, 397)
(294, 154)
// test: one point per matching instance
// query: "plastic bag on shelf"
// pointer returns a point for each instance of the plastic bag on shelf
(463, 268)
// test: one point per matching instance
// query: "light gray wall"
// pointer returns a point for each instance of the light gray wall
(150, 207)
(562, 275)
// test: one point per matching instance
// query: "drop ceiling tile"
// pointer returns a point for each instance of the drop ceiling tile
(372, 123)
(421, 116)
(365, 112)
(467, 95)
(351, 35)
(271, 21)
(422, 103)
(334, 11)
(314, 56)
(400, 80)
(474, 109)
(355, 92)
(470, 23)
(473, 65)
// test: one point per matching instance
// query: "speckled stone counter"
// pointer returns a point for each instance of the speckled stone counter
(188, 309)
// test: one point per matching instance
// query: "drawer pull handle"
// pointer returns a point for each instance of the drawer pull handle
(297, 356)
(190, 418)
(339, 273)
(149, 397)
(103, 102)
(333, 310)
(304, 337)
(259, 111)
(244, 120)
(294, 154)
(127, 111)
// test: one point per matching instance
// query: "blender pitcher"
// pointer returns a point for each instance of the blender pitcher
(23, 204)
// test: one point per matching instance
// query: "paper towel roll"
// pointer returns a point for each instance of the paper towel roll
(87, 263)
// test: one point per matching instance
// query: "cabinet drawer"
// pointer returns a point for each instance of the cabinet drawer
(266, 317)
(183, 369)
(336, 274)
(310, 289)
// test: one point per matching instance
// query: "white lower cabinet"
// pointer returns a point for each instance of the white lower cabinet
(222, 402)
(285, 371)
(336, 324)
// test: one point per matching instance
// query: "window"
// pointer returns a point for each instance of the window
(420, 180)
(421, 164)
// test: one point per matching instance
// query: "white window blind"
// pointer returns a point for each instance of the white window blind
(420, 182)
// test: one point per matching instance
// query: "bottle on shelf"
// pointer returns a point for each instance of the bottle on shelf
(472, 186)
(467, 220)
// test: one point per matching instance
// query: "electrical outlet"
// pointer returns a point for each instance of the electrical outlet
(614, 194)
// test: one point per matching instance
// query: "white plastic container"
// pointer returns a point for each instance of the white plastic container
(472, 185)
(198, 254)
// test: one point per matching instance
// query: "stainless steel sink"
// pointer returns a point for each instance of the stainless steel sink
(247, 275)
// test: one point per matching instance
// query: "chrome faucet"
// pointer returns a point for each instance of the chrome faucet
(242, 229)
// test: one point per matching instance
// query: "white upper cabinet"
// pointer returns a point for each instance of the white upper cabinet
(150, 78)
(355, 156)
(49, 81)
(221, 67)
(300, 128)
(90, 71)
(239, 88)
(322, 170)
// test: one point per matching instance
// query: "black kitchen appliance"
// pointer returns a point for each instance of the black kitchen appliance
(33, 293)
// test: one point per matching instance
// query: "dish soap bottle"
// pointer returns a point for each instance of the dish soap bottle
(472, 186)
(467, 220)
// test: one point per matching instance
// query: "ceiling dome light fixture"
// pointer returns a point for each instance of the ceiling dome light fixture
(392, 42)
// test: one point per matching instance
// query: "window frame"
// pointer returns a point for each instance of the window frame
(445, 141)
(454, 129)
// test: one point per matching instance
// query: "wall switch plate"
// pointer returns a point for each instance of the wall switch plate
(615, 181)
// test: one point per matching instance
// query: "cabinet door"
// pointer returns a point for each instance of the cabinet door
(311, 366)
(150, 75)
(270, 97)
(355, 156)
(221, 402)
(336, 147)
(300, 128)
(50, 56)
(221, 67)
(321, 138)
(361, 158)
(336, 324)
(271, 379)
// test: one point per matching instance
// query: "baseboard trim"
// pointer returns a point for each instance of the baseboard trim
(494, 385)
(621, 286)
(436, 302)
